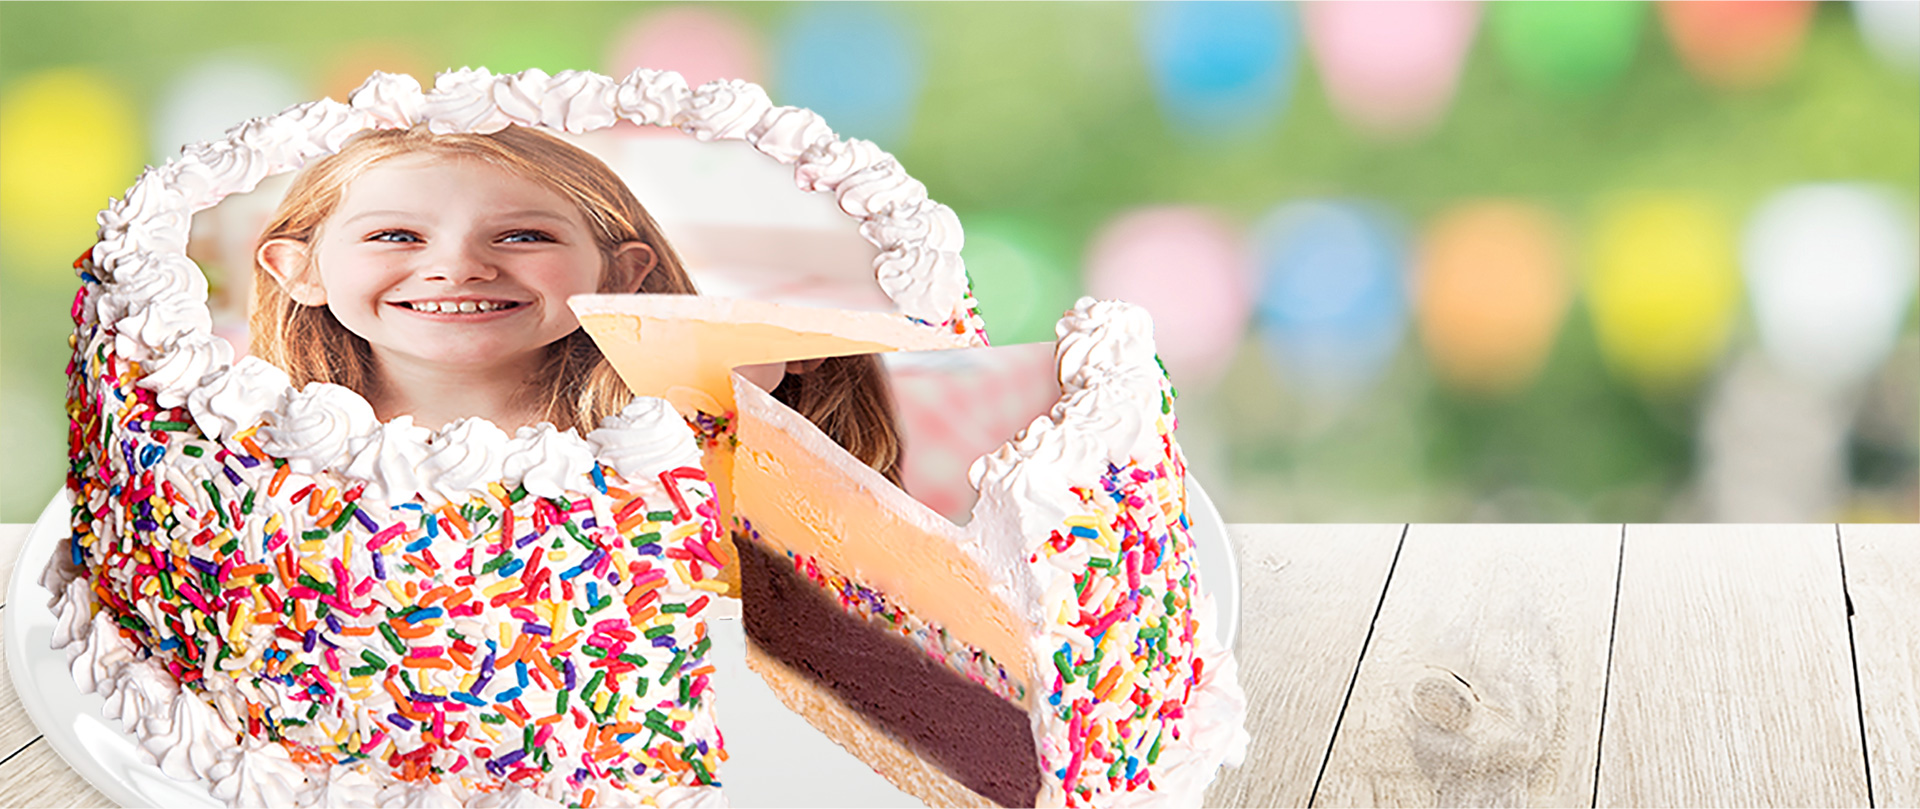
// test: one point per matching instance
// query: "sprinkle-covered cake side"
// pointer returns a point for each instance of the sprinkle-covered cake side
(550, 637)
(1137, 701)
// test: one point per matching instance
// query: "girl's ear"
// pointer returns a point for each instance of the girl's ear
(631, 263)
(288, 261)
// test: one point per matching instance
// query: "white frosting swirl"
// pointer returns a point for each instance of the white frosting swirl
(280, 141)
(391, 460)
(725, 109)
(322, 127)
(1098, 339)
(785, 133)
(163, 274)
(880, 187)
(922, 282)
(648, 434)
(153, 216)
(347, 786)
(98, 664)
(162, 322)
(73, 611)
(143, 690)
(652, 97)
(193, 741)
(208, 171)
(392, 99)
(236, 398)
(546, 465)
(464, 457)
(462, 101)
(1031, 475)
(313, 431)
(928, 224)
(825, 167)
(174, 375)
(259, 774)
(574, 101)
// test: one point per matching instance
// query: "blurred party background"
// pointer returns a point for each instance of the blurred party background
(1407, 261)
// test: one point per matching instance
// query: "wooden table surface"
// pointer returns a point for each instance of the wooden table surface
(1489, 665)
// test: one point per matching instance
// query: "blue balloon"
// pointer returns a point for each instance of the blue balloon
(1332, 305)
(1221, 68)
(856, 64)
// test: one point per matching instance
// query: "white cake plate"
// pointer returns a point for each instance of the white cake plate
(775, 757)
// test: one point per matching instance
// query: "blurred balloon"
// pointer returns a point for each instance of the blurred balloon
(69, 140)
(1662, 289)
(1567, 48)
(1831, 270)
(1332, 303)
(1220, 68)
(1390, 68)
(1021, 275)
(1490, 292)
(216, 95)
(1737, 44)
(700, 43)
(1186, 266)
(858, 65)
(1892, 31)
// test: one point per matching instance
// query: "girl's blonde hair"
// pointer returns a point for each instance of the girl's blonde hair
(847, 397)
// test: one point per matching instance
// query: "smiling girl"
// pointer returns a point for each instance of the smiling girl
(430, 273)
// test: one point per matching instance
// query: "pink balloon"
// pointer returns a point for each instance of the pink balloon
(701, 44)
(1186, 266)
(1390, 68)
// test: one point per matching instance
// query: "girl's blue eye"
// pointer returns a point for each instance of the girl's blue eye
(400, 236)
(526, 236)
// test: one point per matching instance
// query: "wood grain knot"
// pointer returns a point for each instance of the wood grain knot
(1443, 702)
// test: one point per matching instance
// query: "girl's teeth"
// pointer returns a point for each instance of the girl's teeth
(448, 307)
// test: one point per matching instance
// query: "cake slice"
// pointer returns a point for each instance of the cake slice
(1055, 650)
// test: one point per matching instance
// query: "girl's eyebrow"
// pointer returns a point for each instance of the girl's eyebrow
(536, 213)
(533, 213)
(370, 214)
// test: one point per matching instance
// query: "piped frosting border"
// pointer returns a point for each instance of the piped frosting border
(155, 296)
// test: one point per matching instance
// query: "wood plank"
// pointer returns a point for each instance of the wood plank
(1483, 684)
(1732, 677)
(12, 537)
(1308, 595)
(37, 776)
(16, 729)
(1883, 579)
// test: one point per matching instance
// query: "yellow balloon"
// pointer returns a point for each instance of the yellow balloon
(69, 141)
(1662, 288)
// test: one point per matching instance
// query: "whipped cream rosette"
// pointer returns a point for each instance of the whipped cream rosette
(301, 604)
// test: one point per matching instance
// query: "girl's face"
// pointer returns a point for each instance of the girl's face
(451, 264)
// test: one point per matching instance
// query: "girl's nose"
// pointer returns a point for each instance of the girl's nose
(457, 263)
